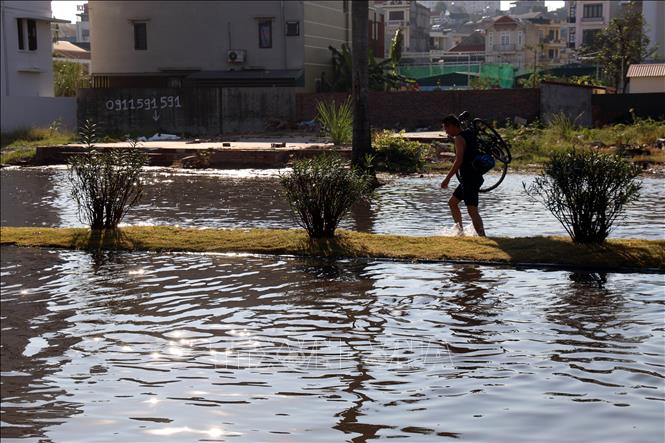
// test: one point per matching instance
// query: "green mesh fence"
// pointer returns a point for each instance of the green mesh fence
(503, 74)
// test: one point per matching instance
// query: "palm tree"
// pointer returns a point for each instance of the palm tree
(362, 140)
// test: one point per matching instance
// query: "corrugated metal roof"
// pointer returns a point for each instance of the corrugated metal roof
(647, 70)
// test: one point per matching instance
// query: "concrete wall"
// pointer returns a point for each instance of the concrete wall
(192, 35)
(326, 24)
(573, 101)
(412, 110)
(25, 72)
(193, 111)
(26, 112)
(249, 109)
(615, 108)
(640, 85)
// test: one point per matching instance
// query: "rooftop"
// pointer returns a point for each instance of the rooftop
(647, 70)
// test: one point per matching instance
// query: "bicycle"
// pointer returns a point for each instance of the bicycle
(489, 142)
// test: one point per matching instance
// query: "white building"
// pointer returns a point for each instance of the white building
(27, 67)
(646, 78)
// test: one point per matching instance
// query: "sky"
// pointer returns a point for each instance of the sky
(67, 9)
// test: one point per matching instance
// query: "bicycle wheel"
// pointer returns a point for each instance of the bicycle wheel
(491, 142)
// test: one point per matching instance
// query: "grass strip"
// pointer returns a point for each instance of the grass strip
(548, 251)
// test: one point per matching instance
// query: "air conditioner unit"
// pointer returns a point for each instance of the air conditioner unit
(235, 56)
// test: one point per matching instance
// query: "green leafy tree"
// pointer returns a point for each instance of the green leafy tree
(68, 77)
(382, 76)
(622, 43)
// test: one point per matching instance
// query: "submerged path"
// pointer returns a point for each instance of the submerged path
(629, 255)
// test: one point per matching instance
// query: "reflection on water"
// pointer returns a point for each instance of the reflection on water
(187, 347)
(411, 205)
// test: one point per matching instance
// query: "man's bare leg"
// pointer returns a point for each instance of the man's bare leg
(475, 218)
(455, 211)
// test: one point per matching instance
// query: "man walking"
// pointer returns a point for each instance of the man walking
(466, 149)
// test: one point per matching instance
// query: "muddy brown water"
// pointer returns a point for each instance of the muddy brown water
(253, 198)
(153, 347)
(191, 347)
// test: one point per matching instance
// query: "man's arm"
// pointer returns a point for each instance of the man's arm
(460, 145)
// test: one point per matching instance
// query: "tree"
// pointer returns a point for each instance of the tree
(383, 76)
(362, 140)
(622, 43)
(68, 77)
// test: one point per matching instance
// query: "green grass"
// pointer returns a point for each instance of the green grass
(18, 146)
(555, 251)
(533, 145)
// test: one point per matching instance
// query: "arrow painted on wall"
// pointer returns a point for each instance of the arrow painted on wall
(155, 116)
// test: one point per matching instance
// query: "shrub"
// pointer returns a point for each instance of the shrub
(321, 191)
(336, 121)
(105, 185)
(393, 152)
(586, 191)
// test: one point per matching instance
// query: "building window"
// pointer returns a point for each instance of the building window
(551, 54)
(141, 36)
(32, 35)
(265, 34)
(505, 38)
(520, 38)
(396, 15)
(589, 35)
(593, 11)
(21, 39)
(490, 39)
(292, 29)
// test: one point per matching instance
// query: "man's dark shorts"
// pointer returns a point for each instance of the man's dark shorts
(468, 189)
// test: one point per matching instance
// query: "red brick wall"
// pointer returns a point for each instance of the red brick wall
(412, 110)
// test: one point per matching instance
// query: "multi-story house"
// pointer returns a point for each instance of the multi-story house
(412, 18)
(510, 40)
(27, 67)
(227, 43)
(587, 18)
(529, 41)
(27, 54)
(552, 40)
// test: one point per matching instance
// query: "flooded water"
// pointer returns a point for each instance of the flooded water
(190, 347)
(410, 205)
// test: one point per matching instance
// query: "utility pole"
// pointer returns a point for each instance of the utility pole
(362, 140)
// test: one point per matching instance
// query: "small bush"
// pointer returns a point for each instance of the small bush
(394, 153)
(105, 185)
(336, 121)
(322, 190)
(586, 191)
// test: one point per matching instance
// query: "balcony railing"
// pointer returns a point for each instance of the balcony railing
(552, 41)
(592, 19)
(502, 48)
